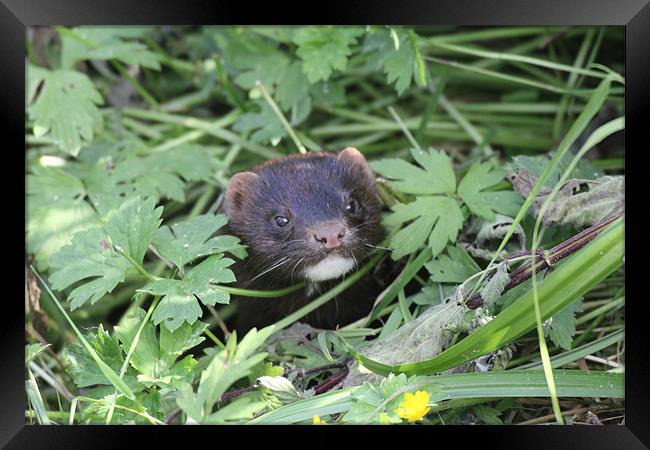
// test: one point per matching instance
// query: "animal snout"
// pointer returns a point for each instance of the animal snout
(330, 236)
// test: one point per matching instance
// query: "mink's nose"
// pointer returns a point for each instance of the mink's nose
(330, 235)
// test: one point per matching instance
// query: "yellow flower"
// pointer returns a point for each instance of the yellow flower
(318, 421)
(414, 407)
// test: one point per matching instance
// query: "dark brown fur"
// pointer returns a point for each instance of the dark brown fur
(309, 190)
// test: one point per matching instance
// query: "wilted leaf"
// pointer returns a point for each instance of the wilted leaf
(579, 202)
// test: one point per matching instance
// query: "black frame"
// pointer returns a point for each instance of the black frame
(15, 15)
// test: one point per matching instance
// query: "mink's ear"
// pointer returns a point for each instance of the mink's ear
(239, 184)
(355, 156)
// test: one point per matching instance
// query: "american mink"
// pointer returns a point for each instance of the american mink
(313, 218)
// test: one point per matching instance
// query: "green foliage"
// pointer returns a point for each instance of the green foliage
(93, 253)
(106, 43)
(62, 106)
(179, 302)
(324, 49)
(435, 213)
(185, 241)
(562, 326)
(236, 361)
(127, 164)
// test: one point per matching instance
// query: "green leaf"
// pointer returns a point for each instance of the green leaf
(508, 383)
(324, 49)
(435, 177)
(174, 343)
(145, 356)
(134, 226)
(264, 125)
(562, 326)
(156, 361)
(400, 63)
(91, 255)
(161, 174)
(105, 43)
(438, 218)
(373, 402)
(328, 93)
(179, 303)
(56, 211)
(570, 280)
(252, 57)
(62, 105)
(488, 415)
(190, 239)
(455, 266)
(226, 367)
(84, 369)
(293, 87)
(471, 189)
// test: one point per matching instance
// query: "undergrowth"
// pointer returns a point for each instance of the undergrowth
(498, 163)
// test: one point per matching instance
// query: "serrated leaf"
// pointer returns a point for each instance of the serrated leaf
(455, 266)
(226, 367)
(107, 43)
(435, 177)
(161, 174)
(88, 256)
(324, 49)
(91, 254)
(400, 63)
(156, 361)
(293, 88)
(264, 124)
(85, 371)
(179, 303)
(437, 218)
(62, 104)
(472, 190)
(190, 239)
(175, 343)
(146, 353)
(134, 226)
(562, 326)
(252, 57)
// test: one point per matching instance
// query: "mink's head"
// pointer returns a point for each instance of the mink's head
(313, 216)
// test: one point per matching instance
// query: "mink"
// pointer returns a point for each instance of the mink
(312, 218)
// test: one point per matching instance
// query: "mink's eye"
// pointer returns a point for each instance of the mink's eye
(281, 221)
(352, 207)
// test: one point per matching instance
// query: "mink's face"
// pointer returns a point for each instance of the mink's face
(311, 217)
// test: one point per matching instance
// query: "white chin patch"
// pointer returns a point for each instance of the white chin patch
(329, 268)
